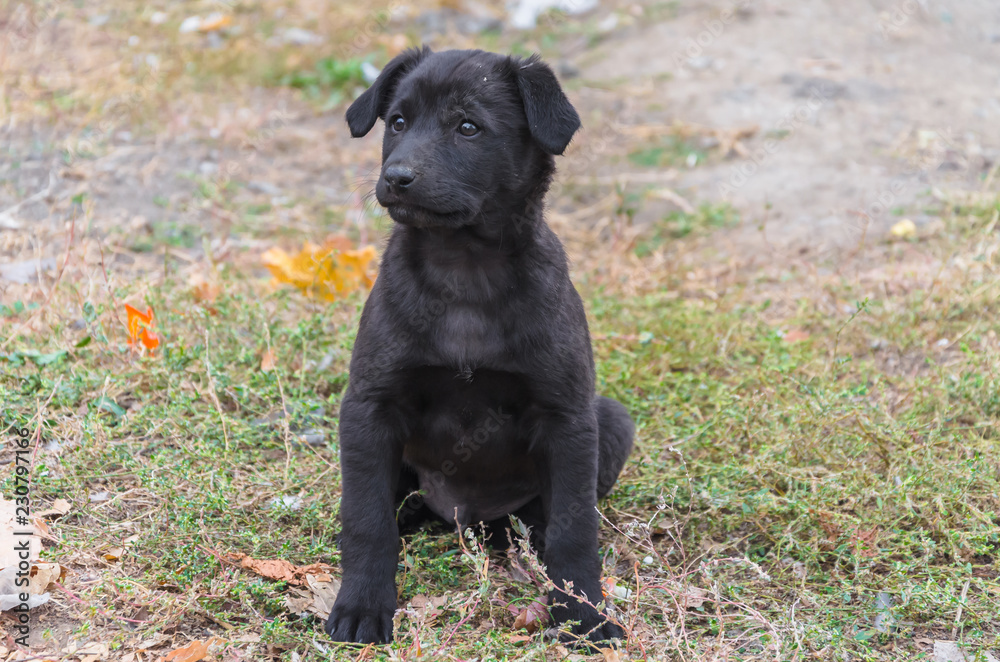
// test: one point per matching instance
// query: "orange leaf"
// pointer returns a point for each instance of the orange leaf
(215, 21)
(140, 329)
(193, 652)
(795, 335)
(324, 272)
(530, 618)
(267, 361)
(282, 570)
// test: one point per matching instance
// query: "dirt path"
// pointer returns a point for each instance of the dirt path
(862, 106)
(853, 113)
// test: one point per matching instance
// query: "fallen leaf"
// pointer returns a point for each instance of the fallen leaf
(610, 655)
(281, 570)
(59, 507)
(43, 574)
(204, 291)
(795, 335)
(903, 229)
(531, 617)
(113, 554)
(215, 21)
(267, 360)
(693, 597)
(298, 602)
(324, 594)
(196, 650)
(324, 272)
(140, 329)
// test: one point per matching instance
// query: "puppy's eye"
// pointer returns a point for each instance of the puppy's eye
(398, 123)
(468, 129)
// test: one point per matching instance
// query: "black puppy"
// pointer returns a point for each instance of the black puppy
(472, 375)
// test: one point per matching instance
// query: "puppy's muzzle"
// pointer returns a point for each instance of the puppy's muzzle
(399, 177)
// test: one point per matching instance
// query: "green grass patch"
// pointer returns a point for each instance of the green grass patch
(678, 224)
(670, 151)
(804, 475)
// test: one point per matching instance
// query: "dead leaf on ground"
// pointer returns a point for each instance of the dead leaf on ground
(113, 554)
(59, 508)
(281, 570)
(317, 598)
(267, 360)
(43, 574)
(610, 655)
(530, 618)
(205, 292)
(196, 650)
(795, 335)
(325, 272)
(324, 595)
(298, 601)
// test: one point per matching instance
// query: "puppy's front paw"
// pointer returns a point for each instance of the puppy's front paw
(358, 622)
(589, 623)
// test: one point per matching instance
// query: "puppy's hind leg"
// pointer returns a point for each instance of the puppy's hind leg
(615, 435)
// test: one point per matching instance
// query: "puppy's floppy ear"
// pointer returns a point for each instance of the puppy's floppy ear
(372, 103)
(551, 117)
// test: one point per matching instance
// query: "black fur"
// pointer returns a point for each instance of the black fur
(472, 374)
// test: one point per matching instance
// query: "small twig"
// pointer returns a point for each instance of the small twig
(284, 408)
(100, 611)
(215, 396)
(38, 415)
(961, 607)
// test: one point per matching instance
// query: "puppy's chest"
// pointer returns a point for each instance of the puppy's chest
(465, 337)
(467, 318)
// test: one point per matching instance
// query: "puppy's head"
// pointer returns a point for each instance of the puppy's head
(467, 133)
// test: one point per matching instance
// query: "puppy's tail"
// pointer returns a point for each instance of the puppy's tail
(615, 433)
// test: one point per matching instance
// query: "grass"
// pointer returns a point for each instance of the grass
(671, 150)
(815, 476)
(330, 80)
(795, 460)
(679, 224)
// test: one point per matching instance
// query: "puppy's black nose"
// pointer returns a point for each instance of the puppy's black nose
(398, 176)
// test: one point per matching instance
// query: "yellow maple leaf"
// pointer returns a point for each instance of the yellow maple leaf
(325, 272)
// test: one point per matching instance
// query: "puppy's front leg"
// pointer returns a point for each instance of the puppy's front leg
(370, 455)
(571, 532)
